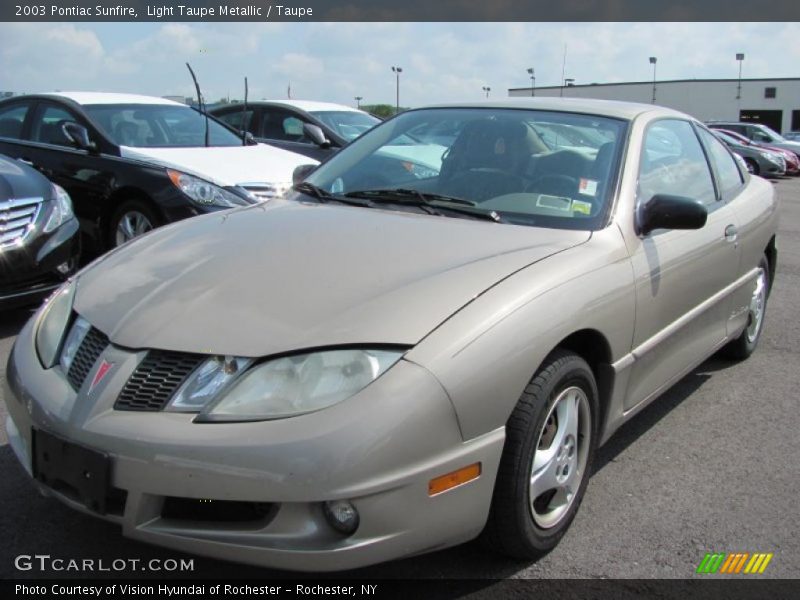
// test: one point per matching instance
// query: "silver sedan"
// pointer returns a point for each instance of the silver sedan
(425, 342)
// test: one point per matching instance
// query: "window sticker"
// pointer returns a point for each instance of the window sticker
(587, 187)
(554, 202)
(579, 206)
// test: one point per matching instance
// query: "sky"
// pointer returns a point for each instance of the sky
(336, 62)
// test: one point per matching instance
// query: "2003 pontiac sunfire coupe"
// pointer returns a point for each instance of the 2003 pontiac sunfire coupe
(410, 350)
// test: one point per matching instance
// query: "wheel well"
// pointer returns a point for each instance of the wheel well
(116, 199)
(772, 258)
(593, 347)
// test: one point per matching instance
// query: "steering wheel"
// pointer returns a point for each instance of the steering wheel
(555, 184)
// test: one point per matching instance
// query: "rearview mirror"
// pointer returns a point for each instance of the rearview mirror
(79, 136)
(301, 172)
(664, 211)
(316, 135)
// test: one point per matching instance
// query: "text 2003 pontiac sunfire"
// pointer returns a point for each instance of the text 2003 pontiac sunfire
(426, 341)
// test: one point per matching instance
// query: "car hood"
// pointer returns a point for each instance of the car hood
(18, 180)
(286, 275)
(226, 165)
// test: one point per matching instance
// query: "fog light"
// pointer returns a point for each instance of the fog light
(341, 515)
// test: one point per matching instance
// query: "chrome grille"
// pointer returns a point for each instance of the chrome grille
(17, 217)
(90, 349)
(266, 191)
(156, 380)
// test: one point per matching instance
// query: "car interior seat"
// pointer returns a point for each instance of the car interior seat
(488, 159)
(126, 133)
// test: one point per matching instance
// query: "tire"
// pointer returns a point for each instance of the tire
(132, 219)
(744, 345)
(752, 166)
(537, 434)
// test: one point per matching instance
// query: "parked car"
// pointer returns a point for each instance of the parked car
(315, 129)
(759, 161)
(39, 242)
(758, 133)
(792, 136)
(791, 159)
(390, 361)
(131, 163)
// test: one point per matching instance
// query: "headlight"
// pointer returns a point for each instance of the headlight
(52, 323)
(60, 209)
(295, 385)
(206, 382)
(203, 192)
(770, 156)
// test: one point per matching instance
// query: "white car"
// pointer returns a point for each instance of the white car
(131, 162)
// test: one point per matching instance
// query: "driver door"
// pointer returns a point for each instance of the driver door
(681, 306)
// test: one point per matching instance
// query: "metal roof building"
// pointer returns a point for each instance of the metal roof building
(773, 102)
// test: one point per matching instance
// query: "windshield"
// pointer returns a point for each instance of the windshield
(547, 169)
(776, 137)
(159, 126)
(347, 123)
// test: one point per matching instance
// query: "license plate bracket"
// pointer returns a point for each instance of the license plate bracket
(80, 473)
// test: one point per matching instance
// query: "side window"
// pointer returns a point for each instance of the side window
(282, 125)
(11, 120)
(730, 177)
(673, 163)
(48, 125)
(235, 118)
(293, 128)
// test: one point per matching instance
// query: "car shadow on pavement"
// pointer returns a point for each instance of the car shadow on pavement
(649, 416)
(11, 321)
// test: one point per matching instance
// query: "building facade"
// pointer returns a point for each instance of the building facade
(773, 102)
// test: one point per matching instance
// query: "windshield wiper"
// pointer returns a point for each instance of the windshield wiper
(406, 193)
(431, 203)
(317, 192)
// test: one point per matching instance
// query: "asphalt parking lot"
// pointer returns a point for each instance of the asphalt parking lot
(712, 466)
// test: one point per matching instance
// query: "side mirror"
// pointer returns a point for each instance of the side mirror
(315, 134)
(79, 136)
(249, 139)
(301, 172)
(664, 211)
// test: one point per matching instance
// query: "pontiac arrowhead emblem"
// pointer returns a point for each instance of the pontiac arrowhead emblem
(102, 371)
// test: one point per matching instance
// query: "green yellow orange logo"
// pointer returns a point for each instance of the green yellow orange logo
(734, 563)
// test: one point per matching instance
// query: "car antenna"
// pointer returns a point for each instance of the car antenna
(244, 115)
(200, 104)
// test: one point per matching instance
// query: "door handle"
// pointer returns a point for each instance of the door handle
(731, 233)
(27, 161)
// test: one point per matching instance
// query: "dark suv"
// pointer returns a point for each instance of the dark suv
(38, 235)
(758, 133)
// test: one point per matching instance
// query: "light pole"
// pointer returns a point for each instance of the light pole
(567, 81)
(487, 90)
(397, 71)
(532, 73)
(740, 58)
(653, 61)
(358, 100)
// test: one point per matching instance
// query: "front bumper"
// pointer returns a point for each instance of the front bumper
(379, 450)
(29, 273)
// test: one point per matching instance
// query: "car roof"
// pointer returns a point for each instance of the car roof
(594, 106)
(84, 98)
(311, 105)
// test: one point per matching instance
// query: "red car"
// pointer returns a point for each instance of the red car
(792, 161)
